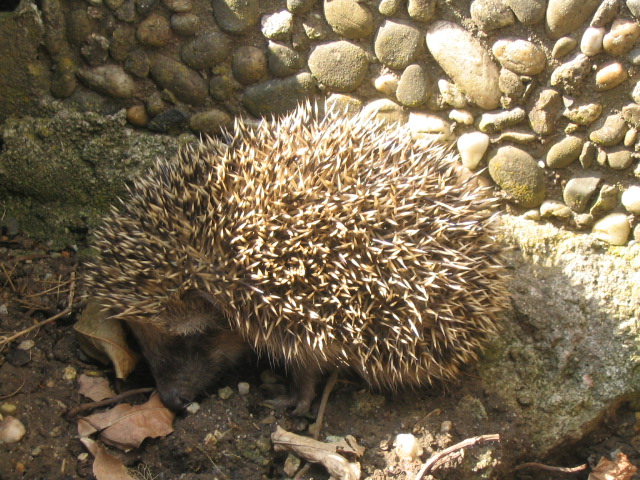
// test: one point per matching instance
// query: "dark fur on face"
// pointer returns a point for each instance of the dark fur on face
(185, 365)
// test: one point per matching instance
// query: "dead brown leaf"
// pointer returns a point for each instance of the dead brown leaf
(104, 339)
(126, 426)
(95, 388)
(105, 465)
(619, 469)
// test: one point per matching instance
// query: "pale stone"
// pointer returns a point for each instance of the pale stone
(613, 229)
(610, 76)
(520, 56)
(472, 147)
(407, 447)
(591, 43)
(386, 84)
(621, 37)
(466, 61)
(631, 199)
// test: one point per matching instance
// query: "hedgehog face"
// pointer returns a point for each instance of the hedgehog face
(183, 366)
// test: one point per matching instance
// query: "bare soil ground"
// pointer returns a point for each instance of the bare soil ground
(230, 438)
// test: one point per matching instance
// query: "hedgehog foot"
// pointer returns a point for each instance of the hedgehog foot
(303, 392)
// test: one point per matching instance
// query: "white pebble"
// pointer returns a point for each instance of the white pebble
(386, 84)
(461, 116)
(11, 430)
(243, 388)
(591, 43)
(553, 208)
(631, 199)
(420, 123)
(26, 345)
(407, 446)
(613, 229)
(193, 408)
(472, 147)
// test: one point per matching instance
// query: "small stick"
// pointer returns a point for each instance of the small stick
(107, 401)
(437, 457)
(549, 468)
(328, 388)
(9, 395)
(63, 313)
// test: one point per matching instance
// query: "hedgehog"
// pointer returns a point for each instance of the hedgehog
(323, 242)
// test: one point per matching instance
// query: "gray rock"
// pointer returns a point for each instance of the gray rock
(172, 121)
(96, 50)
(619, 158)
(183, 82)
(277, 26)
(414, 86)
(546, 111)
(397, 44)
(491, 14)
(520, 56)
(154, 31)
(210, 121)
(609, 131)
(608, 199)
(388, 8)
(584, 114)
(144, 7)
(606, 12)
(127, 12)
(348, 18)
(137, 63)
(249, 65)
(495, 122)
(563, 47)
(579, 190)
(206, 50)
(123, 41)
(421, 10)
(634, 7)
(185, 24)
(572, 353)
(466, 61)
(300, 7)
(565, 16)
(565, 152)
(179, 6)
(631, 114)
(571, 75)
(511, 84)
(236, 16)
(588, 155)
(221, 87)
(278, 96)
(518, 174)
(340, 66)
(79, 26)
(88, 156)
(528, 12)
(110, 80)
(283, 60)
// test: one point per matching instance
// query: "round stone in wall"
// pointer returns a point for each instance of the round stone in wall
(520, 56)
(414, 86)
(236, 16)
(206, 50)
(340, 66)
(566, 16)
(348, 18)
(249, 65)
(466, 61)
(397, 44)
(519, 175)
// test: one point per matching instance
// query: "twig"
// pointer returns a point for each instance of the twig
(437, 457)
(328, 388)
(549, 468)
(15, 392)
(8, 275)
(63, 313)
(107, 401)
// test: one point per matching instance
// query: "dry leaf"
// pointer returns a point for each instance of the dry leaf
(126, 426)
(95, 388)
(104, 339)
(105, 465)
(619, 469)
